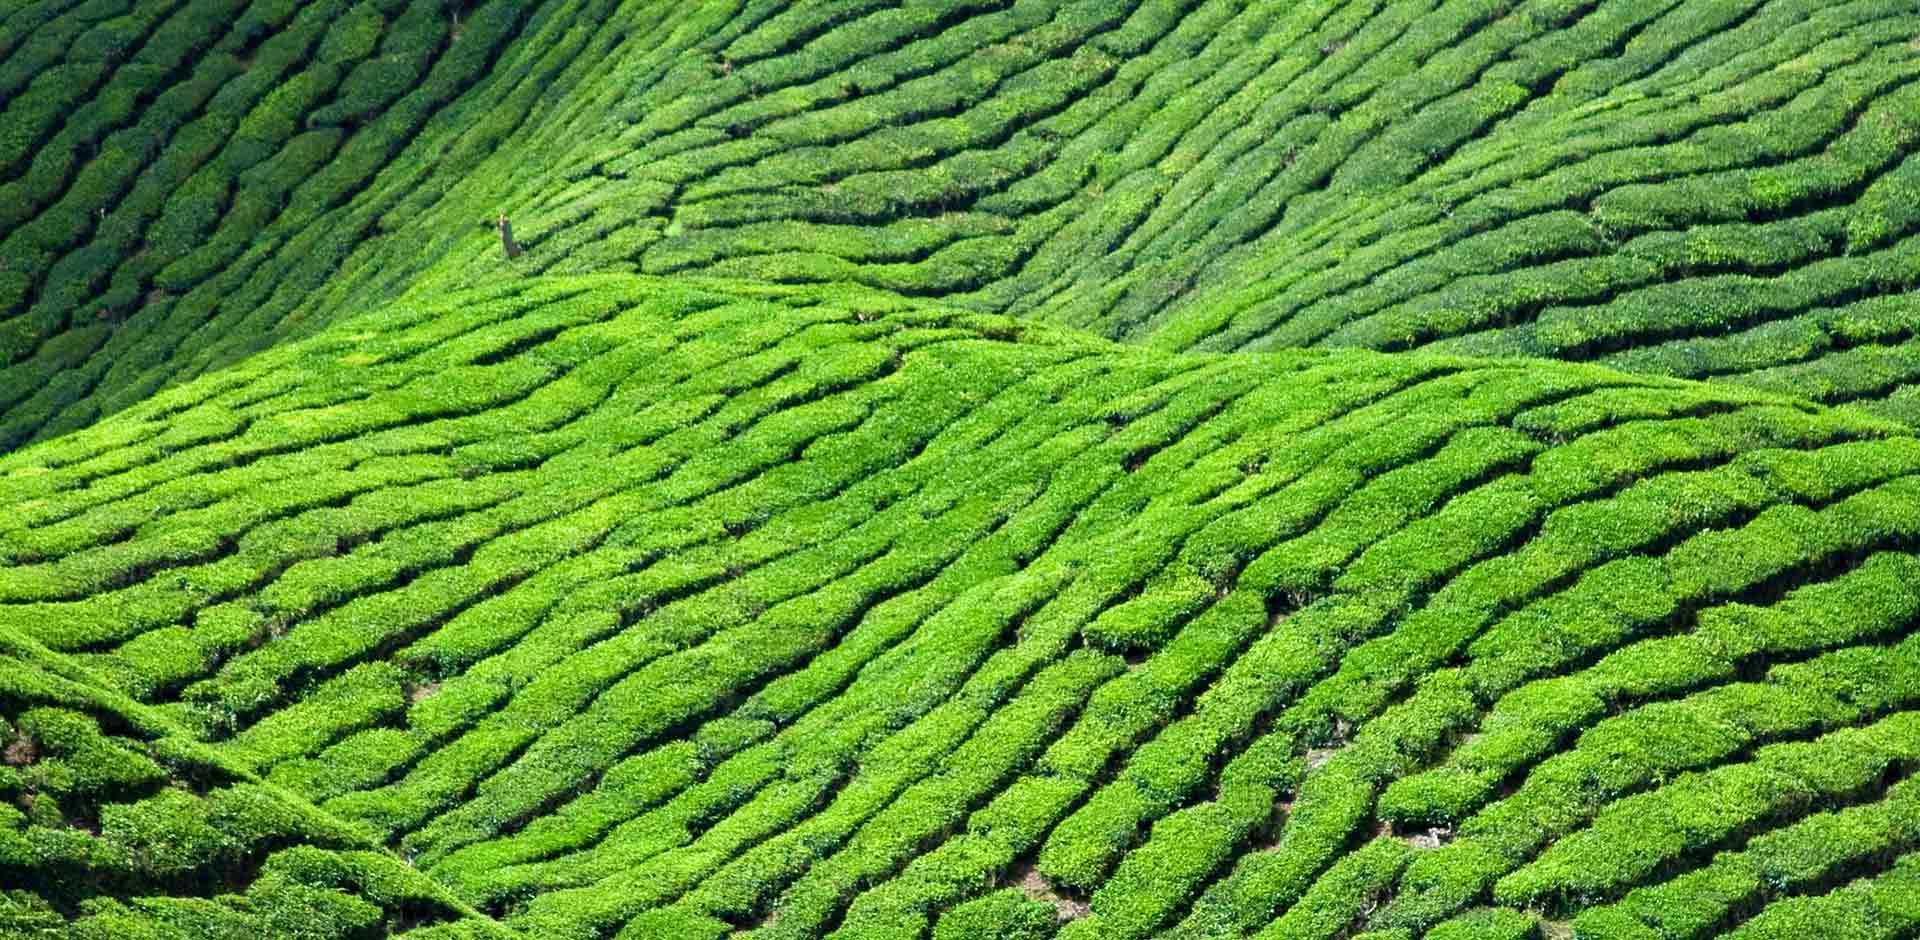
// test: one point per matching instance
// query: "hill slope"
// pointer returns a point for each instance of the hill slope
(619, 603)
(1028, 469)
(1705, 189)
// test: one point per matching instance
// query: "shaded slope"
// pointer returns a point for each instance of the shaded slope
(117, 825)
(1696, 188)
(175, 176)
(1712, 190)
(628, 607)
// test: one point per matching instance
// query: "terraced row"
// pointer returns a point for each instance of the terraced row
(627, 607)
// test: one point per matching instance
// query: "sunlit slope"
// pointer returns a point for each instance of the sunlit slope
(625, 607)
(1705, 188)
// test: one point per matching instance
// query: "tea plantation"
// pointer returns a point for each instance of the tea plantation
(960, 470)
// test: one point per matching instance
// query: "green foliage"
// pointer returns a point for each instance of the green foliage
(775, 548)
(1002, 915)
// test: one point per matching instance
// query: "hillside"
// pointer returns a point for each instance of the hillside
(968, 470)
(1709, 188)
